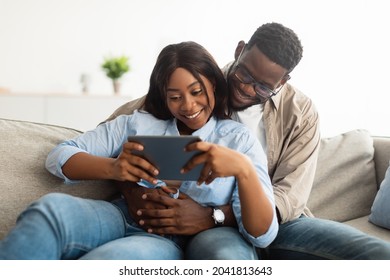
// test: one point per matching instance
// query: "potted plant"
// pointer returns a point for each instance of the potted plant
(115, 67)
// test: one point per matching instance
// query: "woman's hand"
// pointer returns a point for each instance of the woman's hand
(218, 161)
(130, 167)
(126, 167)
(256, 209)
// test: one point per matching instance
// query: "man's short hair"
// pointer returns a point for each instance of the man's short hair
(279, 43)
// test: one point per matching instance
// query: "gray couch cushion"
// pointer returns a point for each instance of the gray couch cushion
(345, 182)
(364, 225)
(23, 177)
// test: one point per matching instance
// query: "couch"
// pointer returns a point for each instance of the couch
(350, 168)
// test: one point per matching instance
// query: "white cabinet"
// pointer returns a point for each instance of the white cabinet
(82, 112)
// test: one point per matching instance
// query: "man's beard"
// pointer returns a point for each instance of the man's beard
(246, 101)
(243, 107)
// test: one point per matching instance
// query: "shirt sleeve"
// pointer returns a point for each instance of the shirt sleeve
(258, 157)
(106, 140)
(294, 171)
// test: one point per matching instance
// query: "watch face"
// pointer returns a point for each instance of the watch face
(219, 216)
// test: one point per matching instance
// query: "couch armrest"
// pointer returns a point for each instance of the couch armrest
(381, 157)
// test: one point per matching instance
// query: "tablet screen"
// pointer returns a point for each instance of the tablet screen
(168, 155)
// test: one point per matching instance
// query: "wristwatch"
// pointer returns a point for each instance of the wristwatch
(218, 216)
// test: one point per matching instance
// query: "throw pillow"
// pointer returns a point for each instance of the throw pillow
(345, 183)
(23, 177)
(380, 210)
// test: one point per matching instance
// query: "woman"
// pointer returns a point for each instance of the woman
(187, 96)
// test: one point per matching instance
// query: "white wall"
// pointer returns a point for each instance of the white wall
(45, 45)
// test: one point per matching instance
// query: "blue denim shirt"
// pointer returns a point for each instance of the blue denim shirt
(107, 140)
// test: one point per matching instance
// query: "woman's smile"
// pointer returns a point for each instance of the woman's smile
(193, 116)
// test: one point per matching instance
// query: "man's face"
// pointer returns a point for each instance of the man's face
(251, 75)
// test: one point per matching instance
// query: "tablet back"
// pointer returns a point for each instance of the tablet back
(168, 155)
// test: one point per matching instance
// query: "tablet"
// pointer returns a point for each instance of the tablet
(168, 155)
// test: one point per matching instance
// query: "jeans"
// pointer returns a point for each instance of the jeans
(317, 239)
(60, 226)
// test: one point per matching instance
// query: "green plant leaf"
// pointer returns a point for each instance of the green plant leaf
(115, 67)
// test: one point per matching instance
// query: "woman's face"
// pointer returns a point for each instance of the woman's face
(188, 102)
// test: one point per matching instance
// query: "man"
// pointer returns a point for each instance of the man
(287, 125)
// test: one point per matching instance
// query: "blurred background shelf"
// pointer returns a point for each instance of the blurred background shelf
(82, 112)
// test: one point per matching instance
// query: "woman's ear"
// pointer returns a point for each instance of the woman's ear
(239, 49)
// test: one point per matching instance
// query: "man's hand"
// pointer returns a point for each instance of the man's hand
(157, 212)
(133, 194)
(181, 216)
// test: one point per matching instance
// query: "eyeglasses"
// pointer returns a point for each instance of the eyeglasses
(260, 88)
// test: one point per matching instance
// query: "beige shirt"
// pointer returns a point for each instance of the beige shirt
(293, 139)
(291, 124)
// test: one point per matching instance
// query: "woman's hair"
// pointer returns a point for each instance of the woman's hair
(279, 43)
(196, 60)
